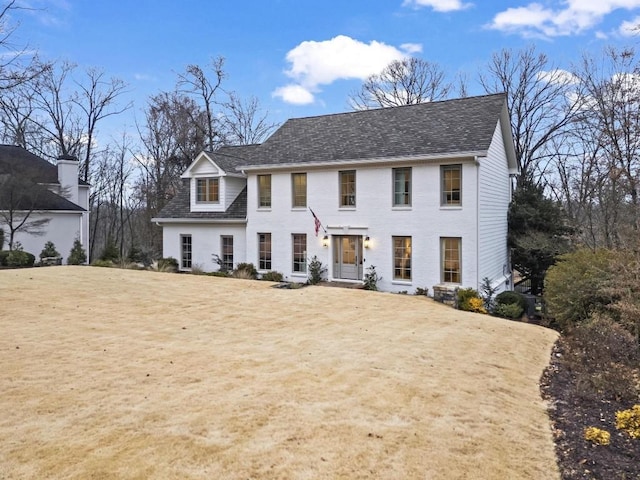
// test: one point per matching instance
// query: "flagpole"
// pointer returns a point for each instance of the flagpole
(316, 217)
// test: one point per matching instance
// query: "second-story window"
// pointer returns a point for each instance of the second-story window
(451, 189)
(299, 189)
(402, 187)
(348, 188)
(207, 190)
(264, 191)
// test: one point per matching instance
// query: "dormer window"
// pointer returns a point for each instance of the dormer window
(207, 190)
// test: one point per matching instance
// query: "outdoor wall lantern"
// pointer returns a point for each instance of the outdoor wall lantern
(366, 241)
(325, 241)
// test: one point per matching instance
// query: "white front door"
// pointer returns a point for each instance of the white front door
(347, 257)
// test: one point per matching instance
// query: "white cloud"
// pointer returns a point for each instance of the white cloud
(295, 94)
(568, 17)
(439, 5)
(411, 48)
(313, 64)
(630, 28)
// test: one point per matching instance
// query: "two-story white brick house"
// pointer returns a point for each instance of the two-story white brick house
(421, 192)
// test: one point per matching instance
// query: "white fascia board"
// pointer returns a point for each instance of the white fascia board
(366, 161)
(200, 220)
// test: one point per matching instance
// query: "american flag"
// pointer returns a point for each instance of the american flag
(316, 221)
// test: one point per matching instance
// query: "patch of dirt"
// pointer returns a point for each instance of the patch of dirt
(570, 414)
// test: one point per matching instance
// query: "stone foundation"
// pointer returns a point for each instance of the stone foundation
(446, 294)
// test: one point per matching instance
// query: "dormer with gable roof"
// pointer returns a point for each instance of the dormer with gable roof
(214, 182)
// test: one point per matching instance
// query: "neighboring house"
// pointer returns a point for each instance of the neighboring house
(421, 192)
(34, 188)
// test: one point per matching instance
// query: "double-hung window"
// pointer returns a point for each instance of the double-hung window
(451, 185)
(227, 252)
(264, 251)
(299, 252)
(402, 258)
(451, 254)
(402, 187)
(347, 188)
(207, 190)
(264, 191)
(299, 190)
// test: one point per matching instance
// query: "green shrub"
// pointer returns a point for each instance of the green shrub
(422, 291)
(509, 298)
(316, 270)
(272, 276)
(371, 279)
(508, 310)
(245, 270)
(576, 287)
(77, 255)
(1, 239)
(20, 258)
(469, 300)
(3, 257)
(102, 263)
(110, 252)
(49, 250)
(168, 264)
(138, 255)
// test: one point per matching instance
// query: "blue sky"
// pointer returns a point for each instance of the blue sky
(304, 57)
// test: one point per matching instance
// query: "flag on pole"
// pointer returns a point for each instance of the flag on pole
(317, 223)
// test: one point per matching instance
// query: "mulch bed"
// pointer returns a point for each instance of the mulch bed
(570, 415)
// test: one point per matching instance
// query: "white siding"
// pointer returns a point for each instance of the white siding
(374, 216)
(62, 230)
(205, 240)
(493, 205)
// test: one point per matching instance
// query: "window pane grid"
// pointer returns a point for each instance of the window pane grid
(227, 252)
(348, 188)
(402, 258)
(402, 186)
(185, 247)
(207, 190)
(451, 260)
(299, 252)
(264, 251)
(264, 190)
(299, 183)
(451, 184)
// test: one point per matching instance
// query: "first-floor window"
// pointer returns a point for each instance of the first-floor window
(264, 251)
(227, 252)
(300, 252)
(402, 258)
(451, 259)
(185, 251)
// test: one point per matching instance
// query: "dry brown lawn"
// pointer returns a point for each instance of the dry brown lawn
(116, 374)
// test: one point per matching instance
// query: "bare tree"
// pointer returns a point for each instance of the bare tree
(20, 199)
(244, 122)
(73, 108)
(600, 176)
(195, 82)
(403, 82)
(538, 97)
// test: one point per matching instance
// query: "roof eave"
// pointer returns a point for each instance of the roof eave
(198, 220)
(365, 161)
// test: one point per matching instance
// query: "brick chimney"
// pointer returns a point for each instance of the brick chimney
(68, 177)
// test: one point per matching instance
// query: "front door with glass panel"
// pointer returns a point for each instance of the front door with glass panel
(347, 257)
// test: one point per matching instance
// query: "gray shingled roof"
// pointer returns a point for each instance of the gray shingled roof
(180, 205)
(229, 158)
(444, 127)
(33, 171)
